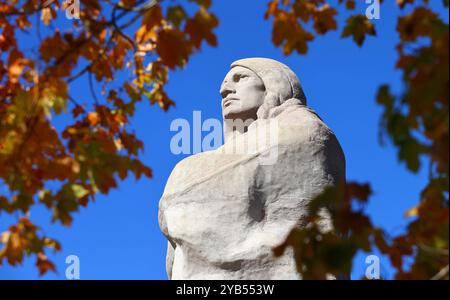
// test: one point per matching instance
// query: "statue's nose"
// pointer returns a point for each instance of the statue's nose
(226, 89)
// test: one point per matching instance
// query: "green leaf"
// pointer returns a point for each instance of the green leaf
(79, 191)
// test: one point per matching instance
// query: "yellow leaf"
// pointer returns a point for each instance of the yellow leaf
(93, 118)
(47, 15)
(412, 212)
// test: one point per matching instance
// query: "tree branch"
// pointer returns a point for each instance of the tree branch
(441, 274)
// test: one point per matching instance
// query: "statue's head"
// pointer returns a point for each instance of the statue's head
(254, 85)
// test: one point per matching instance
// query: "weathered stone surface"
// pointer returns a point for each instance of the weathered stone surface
(224, 210)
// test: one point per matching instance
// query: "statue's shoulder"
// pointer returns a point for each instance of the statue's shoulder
(190, 160)
(302, 128)
(191, 169)
(189, 164)
(301, 123)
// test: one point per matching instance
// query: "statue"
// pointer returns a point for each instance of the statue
(223, 211)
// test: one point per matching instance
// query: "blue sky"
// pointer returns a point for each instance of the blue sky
(118, 236)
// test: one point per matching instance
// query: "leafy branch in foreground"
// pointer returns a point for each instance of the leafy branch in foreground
(65, 169)
(417, 123)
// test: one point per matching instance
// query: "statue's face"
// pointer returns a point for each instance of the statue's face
(242, 94)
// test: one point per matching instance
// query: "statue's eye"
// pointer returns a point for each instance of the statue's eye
(238, 77)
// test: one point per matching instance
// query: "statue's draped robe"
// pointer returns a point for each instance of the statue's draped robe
(223, 213)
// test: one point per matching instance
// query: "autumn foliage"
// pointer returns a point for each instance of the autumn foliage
(98, 149)
(416, 121)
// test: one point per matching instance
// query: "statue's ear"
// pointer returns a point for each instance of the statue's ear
(271, 100)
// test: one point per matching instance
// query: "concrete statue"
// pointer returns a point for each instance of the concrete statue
(223, 211)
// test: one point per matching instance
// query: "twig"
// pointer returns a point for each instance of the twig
(80, 73)
(74, 102)
(118, 30)
(441, 274)
(91, 87)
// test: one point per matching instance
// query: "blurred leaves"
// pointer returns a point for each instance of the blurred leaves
(24, 239)
(323, 250)
(295, 23)
(416, 121)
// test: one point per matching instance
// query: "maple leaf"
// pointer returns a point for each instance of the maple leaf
(358, 27)
(173, 48)
(200, 28)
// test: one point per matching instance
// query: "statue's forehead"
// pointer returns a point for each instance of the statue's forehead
(239, 70)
